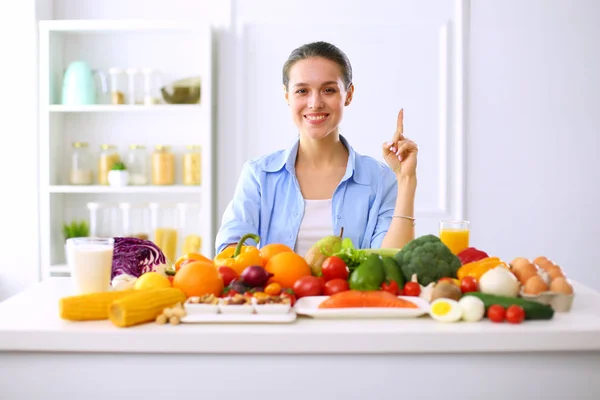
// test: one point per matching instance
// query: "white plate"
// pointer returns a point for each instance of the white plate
(309, 306)
(192, 308)
(240, 318)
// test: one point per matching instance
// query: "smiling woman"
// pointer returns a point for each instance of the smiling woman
(320, 185)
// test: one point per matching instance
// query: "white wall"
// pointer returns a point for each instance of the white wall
(534, 94)
(18, 163)
(532, 121)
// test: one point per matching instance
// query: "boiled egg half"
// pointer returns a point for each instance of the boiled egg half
(445, 310)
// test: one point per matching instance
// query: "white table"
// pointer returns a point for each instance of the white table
(41, 355)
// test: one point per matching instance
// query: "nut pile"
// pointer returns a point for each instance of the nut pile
(172, 315)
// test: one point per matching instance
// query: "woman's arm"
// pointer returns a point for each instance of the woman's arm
(402, 230)
(243, 212)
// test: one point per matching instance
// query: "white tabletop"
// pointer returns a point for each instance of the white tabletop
(29, 321)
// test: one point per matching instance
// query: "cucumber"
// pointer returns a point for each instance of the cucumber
(533, 310)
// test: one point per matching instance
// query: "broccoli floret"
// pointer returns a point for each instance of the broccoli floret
(429, 258)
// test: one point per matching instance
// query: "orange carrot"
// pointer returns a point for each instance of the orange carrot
(355, 298)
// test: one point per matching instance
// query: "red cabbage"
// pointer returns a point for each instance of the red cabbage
(135, 256)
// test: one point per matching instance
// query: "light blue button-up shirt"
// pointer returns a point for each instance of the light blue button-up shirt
(268, 201)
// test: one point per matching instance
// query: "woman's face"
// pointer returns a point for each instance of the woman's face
(317, 97)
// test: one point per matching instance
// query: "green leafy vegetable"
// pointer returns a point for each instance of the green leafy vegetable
(118, 166)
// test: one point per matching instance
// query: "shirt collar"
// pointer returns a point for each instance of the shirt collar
(287, 159)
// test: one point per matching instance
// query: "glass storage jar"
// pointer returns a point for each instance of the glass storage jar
(190, 227)
(117, 85)
(105, 220)
(165, 228)
(81, 172)
(136, 220)
(137, 165)
(108, 157)
(192, 165)
(163, 165)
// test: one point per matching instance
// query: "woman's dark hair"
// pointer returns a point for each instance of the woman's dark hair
(323, 50)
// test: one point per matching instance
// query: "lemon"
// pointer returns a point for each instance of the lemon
(152, 280)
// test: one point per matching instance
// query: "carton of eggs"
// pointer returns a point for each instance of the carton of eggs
(543, 281)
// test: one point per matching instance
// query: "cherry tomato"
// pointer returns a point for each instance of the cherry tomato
(334, 268)
(289, 293)
(391, 287)
(515, 314)
(468, 284)
(227, 274)
(308, 286)
(412, 289)
(496, 313)
(273, 289)
(335, 286)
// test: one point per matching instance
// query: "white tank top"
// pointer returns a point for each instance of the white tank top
(315, 225)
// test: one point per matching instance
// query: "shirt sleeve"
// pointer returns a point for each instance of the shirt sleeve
(387, 192)
(243, 212)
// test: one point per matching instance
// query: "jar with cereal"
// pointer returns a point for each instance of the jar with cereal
(192, 166)
(109, 156)
(163, 166)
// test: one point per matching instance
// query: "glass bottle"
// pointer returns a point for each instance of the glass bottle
(108, 157)
(105, 220)
(81, 165)
(117, 85)
(163, 165)
(137, 165)
(192, 165)
(165, 228)
(136, 220)
(190, 228)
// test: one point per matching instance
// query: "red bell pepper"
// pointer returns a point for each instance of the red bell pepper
(471, 254)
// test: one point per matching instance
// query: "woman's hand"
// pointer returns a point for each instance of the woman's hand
(401, 153)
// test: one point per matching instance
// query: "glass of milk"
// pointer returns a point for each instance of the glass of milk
(90, 263)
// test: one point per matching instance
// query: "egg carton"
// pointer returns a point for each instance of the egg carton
(559, 302)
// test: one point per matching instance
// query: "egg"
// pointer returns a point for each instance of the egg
(561, 285)
(473, 308)
(525, 271)
(539, 259)
(519, 261)
(535, 285)
(445, 310)
(544, 264)
(555, 272)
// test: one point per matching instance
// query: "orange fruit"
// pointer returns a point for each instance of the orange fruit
(190, 257)
(198, 278)
(272, 249)
(287, 268)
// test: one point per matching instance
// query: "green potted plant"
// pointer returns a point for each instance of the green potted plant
(118, 175)
(76, 229)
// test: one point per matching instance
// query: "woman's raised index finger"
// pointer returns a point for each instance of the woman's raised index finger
(399, 125)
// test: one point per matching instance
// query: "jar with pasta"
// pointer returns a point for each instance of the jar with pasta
(163, 166)
(192, 166)
(109, 156)
(81, 165)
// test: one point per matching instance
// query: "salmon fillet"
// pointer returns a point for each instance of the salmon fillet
(357, 299)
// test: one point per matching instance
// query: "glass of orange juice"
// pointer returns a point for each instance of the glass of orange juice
(455, 235)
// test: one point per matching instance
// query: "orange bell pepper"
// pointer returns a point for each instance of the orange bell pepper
(477, 268)
(240, 257)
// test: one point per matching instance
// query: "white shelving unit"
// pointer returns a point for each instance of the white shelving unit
(178, 50)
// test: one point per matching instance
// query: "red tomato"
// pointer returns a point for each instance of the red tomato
(227, 274)
(391, 287)
(308, 286)
(468, 284)
(334, 268)
(412, 289)
(496, 313)
(515, 314)
(335, 286)
(289, 293)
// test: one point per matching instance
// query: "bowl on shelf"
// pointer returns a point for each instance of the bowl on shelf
(184, 91)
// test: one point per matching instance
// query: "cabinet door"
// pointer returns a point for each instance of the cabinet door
(414, 63)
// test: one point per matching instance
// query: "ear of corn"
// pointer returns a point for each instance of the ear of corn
(143, 306)
(89, 307)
